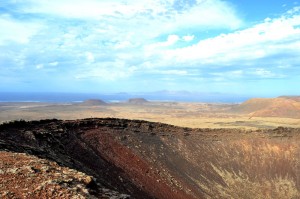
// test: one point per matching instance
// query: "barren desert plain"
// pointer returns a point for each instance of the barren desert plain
(183, 114)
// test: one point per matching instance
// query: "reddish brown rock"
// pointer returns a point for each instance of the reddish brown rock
(27, 176)
(154, 160)
(288, 107)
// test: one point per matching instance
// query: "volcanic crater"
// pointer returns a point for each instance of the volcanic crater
(119, 158)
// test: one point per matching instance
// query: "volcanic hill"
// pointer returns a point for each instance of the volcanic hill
(137, 101)
(270, 107)
(93, 102)
(119, 158)
(295, 98)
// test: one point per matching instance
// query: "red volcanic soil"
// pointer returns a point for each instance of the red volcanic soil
(139, 159)
(26, 176)
(295, 98)
(271, 107)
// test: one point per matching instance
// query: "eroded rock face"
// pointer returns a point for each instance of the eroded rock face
(153, 160)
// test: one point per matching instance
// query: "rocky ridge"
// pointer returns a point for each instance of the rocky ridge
(27, 176)
(139, 159)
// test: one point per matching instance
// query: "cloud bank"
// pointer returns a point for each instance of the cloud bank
(124, 42)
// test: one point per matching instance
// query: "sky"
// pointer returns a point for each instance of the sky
(105, 46)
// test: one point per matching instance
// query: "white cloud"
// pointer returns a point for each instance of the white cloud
(228, 74)
(53, 63)
(171, 40)
(111, 71)
(123, 44)
(265, 39)
(248, 73)
(130, 30)
(284, 66)
(188, 38)
(173, 72)
(16, 31)
(111, 40)
(261, 72)
(39, 66)
(92, 9)
(213, 13)
(159, 15)
(89, 57)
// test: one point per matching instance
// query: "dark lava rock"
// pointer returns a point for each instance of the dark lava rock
(119, 158)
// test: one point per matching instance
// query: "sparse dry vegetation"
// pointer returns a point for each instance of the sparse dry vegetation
(157, 160)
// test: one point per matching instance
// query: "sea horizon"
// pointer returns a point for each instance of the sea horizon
(56, 97)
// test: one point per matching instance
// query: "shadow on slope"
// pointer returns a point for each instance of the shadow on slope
(154, 160)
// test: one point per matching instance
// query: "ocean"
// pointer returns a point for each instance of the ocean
(119, 97)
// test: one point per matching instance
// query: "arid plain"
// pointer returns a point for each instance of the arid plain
(194, 115)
